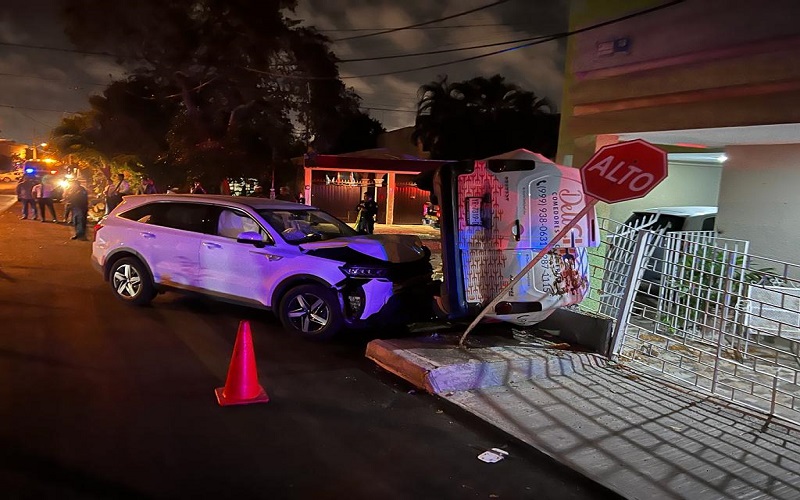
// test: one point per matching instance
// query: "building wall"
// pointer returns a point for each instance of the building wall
(688, 184)
(759, 199)
(698, 64)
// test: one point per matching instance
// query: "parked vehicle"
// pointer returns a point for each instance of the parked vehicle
(11, 176)
(667, 219)
(504, 210)
(690, 218)
(312, 269)
(39, 168)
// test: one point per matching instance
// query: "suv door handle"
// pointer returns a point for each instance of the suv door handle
(147, 235)
(208, 244)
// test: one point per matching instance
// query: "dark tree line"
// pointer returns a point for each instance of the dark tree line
(216, 89)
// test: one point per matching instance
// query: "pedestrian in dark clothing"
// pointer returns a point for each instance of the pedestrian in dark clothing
(78, 199)
(115, 192)
(284, 194)
(43, 192)
(197, 188)
(25, 196)
(148, 186)
(367, 212)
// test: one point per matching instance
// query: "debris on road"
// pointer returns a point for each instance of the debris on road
(492, 456)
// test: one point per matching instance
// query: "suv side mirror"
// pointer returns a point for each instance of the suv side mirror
(252, 238)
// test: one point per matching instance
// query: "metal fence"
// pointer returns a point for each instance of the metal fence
(702, 311)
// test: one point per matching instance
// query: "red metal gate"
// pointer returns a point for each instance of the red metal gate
(339, 200)
(408, 201)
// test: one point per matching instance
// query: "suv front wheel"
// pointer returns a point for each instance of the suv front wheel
(311, 311)
(131, 281)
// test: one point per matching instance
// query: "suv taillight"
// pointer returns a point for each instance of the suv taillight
(97, 227)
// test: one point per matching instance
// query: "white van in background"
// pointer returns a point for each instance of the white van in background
(691, 218)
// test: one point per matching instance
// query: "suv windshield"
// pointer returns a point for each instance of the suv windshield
(302, 226)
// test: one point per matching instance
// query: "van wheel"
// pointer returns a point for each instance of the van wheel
(311, 311)
(131, 281)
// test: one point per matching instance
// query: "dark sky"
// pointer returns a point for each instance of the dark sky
(38, 86)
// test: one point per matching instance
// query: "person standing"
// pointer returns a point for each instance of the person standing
(78, 199)
(148, 186)
(43, 193)
(284, 194)
(115, 192)
(67, 205)
(197, 188)
(367, 212)
(25, 196)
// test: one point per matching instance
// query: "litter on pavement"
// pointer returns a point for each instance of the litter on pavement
(492, 456)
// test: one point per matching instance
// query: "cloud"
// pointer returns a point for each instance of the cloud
(538, 68)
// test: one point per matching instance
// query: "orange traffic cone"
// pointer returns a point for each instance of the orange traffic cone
(241, 386)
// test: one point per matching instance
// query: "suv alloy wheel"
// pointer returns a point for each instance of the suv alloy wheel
(311, 311)
(131, 282)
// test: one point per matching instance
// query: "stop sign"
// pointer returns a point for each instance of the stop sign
(624, 171)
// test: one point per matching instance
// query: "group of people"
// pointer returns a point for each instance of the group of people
(37, 197)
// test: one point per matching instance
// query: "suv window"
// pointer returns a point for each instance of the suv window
(302, 226)
(195, 217)
(231, 222)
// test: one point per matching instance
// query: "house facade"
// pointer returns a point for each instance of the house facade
(716, 83)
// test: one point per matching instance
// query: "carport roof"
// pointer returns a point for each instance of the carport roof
(786, 133)
(370, 160)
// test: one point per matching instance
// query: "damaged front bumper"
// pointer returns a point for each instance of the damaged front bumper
(372, 303)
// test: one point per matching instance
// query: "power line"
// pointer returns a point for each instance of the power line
(449, 26)
(528, 44)
(375, 108)
(34, 119)
(417, 25)
(57, 49)
(36, 109)
(546, 38)
(35, 77)
(444, 51)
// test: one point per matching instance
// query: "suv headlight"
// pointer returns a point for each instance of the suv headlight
(365, 272)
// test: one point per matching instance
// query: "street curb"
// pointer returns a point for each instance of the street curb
(476, 368)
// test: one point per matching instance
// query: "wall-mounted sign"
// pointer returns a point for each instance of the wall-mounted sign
(614, 46)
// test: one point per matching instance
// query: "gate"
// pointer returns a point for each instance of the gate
(703, 312)
(408, 201)
(339, 200)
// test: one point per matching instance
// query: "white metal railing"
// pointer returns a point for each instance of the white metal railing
(703, 312)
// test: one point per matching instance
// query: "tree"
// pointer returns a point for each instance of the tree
(482, 117)
(124, 131)
(245, 75)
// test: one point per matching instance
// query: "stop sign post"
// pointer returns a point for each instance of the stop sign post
(617, 172)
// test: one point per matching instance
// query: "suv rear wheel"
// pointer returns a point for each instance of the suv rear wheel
(311, 311)
(131, 281)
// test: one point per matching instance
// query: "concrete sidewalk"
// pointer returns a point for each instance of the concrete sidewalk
(637, 436)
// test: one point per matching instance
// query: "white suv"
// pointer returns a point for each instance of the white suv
(312, 269)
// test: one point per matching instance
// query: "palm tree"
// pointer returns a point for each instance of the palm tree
(480, 117)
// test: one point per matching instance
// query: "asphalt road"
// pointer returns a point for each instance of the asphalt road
(102, 400)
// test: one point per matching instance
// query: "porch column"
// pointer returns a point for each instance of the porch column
(307, 184)
(390, 181)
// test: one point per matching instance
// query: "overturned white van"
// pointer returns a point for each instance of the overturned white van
(496, 215)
